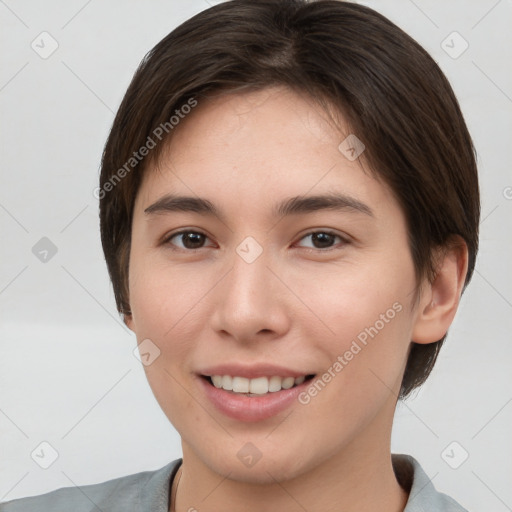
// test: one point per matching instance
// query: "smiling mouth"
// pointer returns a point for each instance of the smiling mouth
(259, 386)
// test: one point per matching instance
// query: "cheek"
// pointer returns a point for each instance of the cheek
(162, 302)
(349, 298)
(168, 305)
(363, 361)
(364, 322)
(162, 296)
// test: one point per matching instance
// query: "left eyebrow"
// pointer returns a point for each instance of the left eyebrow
(333, 201)
(291, 206)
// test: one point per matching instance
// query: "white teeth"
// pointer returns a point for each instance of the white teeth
(274, 384)
(227, 382)
(288, 382)
(257, 386)
(240, 385)
(217, 380)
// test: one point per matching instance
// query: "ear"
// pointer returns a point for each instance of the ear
(439, 299)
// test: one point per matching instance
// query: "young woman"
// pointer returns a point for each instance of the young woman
(289, 212)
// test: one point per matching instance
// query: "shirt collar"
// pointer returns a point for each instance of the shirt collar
(155, 494)
(423, 497)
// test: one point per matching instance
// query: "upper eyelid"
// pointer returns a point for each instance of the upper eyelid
(167, 238)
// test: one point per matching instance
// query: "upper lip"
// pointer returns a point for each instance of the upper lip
(252, 371)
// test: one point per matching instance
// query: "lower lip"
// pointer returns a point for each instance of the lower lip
(251, 408)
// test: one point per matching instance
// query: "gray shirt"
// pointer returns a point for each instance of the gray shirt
(149, 492)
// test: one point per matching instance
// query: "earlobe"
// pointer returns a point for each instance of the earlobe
(440, 299)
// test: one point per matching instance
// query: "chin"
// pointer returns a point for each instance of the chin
(271, 466)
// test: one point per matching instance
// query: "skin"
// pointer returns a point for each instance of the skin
(298, 304)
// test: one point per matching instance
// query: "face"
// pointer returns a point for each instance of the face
(226, 283)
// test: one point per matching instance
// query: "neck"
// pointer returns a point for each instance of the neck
(359, 478)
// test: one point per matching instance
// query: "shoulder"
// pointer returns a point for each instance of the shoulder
(148, 490)
(423, 496)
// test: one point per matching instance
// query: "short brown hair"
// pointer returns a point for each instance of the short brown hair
(391, 92)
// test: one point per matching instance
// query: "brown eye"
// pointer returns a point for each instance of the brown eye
(189, 239)
(322, 239)
(192, 240)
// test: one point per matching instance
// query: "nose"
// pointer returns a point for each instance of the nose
(251, 302)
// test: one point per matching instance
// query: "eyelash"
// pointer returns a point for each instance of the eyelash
(167, 240)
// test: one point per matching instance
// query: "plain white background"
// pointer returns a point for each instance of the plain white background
(68, 375)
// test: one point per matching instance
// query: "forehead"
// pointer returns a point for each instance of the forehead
(254, 126)
(256, 147)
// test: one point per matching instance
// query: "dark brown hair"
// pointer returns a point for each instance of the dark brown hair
(393, 95)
